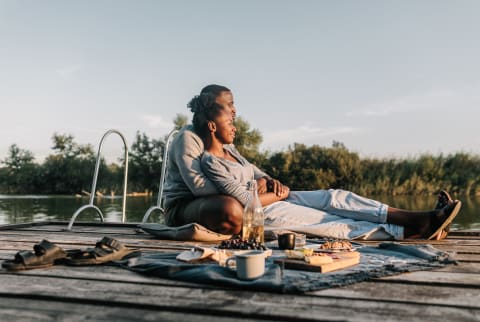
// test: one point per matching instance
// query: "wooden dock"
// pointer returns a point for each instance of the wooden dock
(107, 293)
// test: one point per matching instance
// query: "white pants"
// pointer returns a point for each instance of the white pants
(333, 213)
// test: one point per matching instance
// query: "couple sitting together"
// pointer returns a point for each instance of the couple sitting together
(207, 177)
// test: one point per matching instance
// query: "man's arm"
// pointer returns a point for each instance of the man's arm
(186, 151)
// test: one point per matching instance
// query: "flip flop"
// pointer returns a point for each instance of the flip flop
(45, 255)
(106, 250)
(440, 232)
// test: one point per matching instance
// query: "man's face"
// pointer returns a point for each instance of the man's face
(226, 99)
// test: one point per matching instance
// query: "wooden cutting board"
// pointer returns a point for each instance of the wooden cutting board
(344, 260)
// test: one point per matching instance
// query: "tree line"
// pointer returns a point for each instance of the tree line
(69, 169)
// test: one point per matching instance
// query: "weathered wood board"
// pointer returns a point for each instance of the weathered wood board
(108, 293)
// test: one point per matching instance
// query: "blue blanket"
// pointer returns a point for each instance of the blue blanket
(386, 259)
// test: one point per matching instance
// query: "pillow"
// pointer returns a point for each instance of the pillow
(188, 232)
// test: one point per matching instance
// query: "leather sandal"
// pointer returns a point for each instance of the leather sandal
(45, 254)
(106, 250)
(443, 199)
(442, 231)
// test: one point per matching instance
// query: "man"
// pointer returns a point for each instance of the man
(189, 195)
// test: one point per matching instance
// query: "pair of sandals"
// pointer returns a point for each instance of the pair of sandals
(46, 254)
(444, 201)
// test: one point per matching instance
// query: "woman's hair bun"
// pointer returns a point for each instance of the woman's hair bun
(201, 102)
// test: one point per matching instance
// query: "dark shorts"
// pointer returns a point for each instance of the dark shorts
(183, 211)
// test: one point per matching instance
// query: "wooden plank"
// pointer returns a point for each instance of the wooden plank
(437, 278)
(103, 273)
(464, 233)
(255, 305)
(467, 258)
(46, 310)
(21, 245)
(380, 291)
(27, 241)
(472, 268)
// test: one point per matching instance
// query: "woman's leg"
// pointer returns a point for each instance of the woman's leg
(222, 214)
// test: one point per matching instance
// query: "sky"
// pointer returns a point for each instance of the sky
(386, 78)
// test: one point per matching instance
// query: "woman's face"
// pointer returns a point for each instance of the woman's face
(225, 130)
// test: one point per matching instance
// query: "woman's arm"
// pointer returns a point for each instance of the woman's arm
(271, 197)
(219, 173)
(223, 179)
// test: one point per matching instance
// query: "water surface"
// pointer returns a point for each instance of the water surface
(28, 208)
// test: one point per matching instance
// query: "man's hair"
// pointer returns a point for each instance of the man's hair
(204, 107)
(214, 89)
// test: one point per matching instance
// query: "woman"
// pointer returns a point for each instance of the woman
(230, 172)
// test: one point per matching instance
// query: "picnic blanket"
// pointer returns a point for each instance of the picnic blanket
(386, 259)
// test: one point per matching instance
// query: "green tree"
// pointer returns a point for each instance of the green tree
(315, 167)
(71, 168)
(18, 158)
(180, 121)
(21, 173)
(65, 146)
(145, 162)
(247, 141)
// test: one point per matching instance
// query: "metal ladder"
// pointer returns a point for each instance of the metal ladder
(94, 183)
(160, 201)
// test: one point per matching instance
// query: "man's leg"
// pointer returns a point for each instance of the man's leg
(350, 205)
(220, 213)
(341, 203)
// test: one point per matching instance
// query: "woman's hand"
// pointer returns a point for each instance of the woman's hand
(271, 197)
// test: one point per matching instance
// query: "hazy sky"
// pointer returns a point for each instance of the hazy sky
(386, 78)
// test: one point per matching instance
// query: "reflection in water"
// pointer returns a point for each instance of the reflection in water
(17, 209)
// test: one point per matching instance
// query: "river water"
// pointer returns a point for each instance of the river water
(28, 208)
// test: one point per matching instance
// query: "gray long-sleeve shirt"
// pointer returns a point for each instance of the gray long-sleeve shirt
(184, 177)
(230, 177)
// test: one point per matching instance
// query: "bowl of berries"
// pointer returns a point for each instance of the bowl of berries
(236, 246)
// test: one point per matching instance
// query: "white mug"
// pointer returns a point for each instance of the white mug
(250, 265)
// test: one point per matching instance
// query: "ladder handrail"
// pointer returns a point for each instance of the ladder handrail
(159, 205)
(95, 177)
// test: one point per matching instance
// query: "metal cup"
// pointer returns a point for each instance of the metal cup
(286, 241)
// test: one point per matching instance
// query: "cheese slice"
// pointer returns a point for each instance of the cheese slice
(318, 260)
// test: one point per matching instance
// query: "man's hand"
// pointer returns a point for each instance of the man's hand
(262, 185)
(278, 188)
